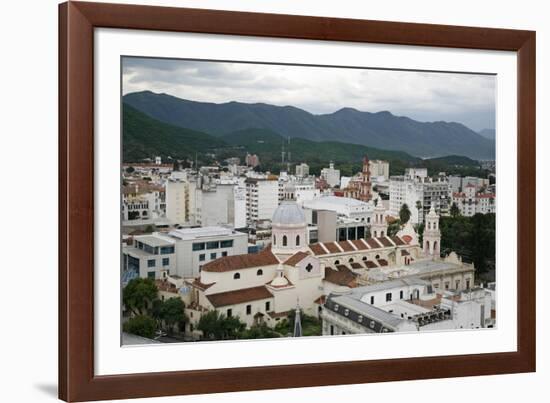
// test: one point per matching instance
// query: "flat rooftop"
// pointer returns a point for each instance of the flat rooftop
(203, 232)
(335, 200)
(154, 240)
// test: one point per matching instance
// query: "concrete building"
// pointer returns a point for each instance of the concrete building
(221, 204)
(262, 198)
(404, 305)
(142, 202)
(360, 187)
(331, 175)
(471, 202)
(181, 252)
(302, 170)
(380, 169)
(177, 198)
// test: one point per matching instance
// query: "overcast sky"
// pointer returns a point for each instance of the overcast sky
(464, 98)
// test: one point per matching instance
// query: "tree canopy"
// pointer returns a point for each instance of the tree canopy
(404, 214)
(141, 325)
(139, 294)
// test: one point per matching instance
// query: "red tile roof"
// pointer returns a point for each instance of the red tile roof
(317, 249)
(398, 241)
(356, 265)
(296, 258)
(239, 296)
(405, 253)
(346, 246)
(332, 248)
(346, 278)
(370, 264)
(201, 286)
(237, 262)
(382, 262)
(372, 243)
(359, 244)
(384, 241)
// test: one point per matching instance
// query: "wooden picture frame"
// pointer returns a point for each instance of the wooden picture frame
(77, 21)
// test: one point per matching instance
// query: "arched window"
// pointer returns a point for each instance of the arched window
(274, 239)
(336, 262)
(350, 260)
(377, 256)
(284, 240)
(260, 272)
(309, 267)
(364, 258)
(382, 233)
(236, 276)
(297, 240)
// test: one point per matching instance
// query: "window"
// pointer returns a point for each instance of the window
(151, 275)
(309, 267)
(267, 306)
(191, 327)
(346, 312)
(212, 245)
(198, 246)
(350, 260)
(237, 276)
(226, 244)
(224, 253)
(274, 239)
(151, 263)
(260, 272)
(284, 240)
(165, 261)
(446, 285)
(468, 284)
(360, 318)
(336, 262)
(401, 294)
(297, 240)
(457, 284)
(213, 256)
(388, 297)
(202, 257)
(331, 330)
(364, 258)
(372, 300)
(248, 309)
(166, 250)
(229, 312)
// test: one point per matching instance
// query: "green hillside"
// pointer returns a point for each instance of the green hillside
(145, 137)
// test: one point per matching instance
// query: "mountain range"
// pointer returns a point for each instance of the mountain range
(381, 130)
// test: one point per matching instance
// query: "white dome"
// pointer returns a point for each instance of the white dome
(288, 213)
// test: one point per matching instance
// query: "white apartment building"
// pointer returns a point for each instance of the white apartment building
(300, 191)
(302, 170)
(379, 170)
(220, 204)
(143, 202)
(419, 192)
(262, 198)
(181, 252)
(470, 202)
(331, 175)
(177, 198)
(344, 206)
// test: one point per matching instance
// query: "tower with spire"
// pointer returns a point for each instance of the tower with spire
(379, 226)
(432, 235)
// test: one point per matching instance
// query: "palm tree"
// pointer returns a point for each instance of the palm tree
(419, 208)
(404, 214)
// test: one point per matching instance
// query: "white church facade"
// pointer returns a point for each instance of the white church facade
(265, 287)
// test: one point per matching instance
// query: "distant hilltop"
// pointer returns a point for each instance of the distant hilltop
(381, 130)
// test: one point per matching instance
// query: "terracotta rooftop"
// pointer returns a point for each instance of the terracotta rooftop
(382, 262)
(359, 244)
(398, 241)
(166, 286)
(372, 243)
(237, 262)
(356, 265)
(321, 300)
(201, 286)
(332, 248)
(346, 278)
(384, 241)
(239, 296)
(317, 249)
(296, 258)
(370, 264)
(405, 253)
(346, 246)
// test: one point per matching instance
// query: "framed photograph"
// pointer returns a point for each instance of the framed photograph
(257, 201)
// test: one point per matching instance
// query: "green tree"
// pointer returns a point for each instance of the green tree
(141, 325)
(172, 313)
(216, 326)
(394, 227)
(404, 214)
(259, 331)
(130, 170)
(139, 294)
(455, 211)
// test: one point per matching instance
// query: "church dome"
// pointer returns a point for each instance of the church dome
(288, 213)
